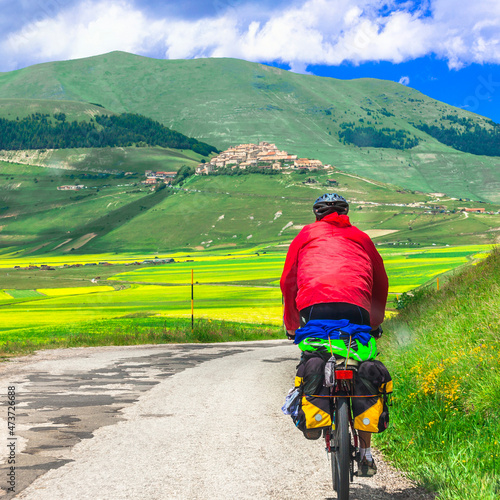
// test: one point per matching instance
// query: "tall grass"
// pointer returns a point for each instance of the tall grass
(443, 351)
(136, 329)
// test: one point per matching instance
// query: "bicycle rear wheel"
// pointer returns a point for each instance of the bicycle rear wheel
(333, 457)
(341, 450)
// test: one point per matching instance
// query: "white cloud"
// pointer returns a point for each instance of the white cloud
(86, 29)
(303, 33)
(404, 80)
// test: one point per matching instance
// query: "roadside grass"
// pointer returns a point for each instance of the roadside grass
(136, 329)
(443, 351)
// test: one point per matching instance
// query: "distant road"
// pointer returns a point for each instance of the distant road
(167, 422)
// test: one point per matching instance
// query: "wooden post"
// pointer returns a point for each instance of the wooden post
(192, 300)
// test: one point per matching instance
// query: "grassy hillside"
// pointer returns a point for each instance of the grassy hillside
(21, 108)
(112, 160)
(249, 210)
(227, 101)
(116, 213)
(35, 216)
(443, 352)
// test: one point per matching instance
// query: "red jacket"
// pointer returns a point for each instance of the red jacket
(333, 261)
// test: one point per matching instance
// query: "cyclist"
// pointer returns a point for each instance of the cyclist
(334, 272)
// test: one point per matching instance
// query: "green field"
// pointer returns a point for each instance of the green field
(242, 288)
(23, 294)
(36, 216)
(225, 212)
(115, 212)
(119, 214)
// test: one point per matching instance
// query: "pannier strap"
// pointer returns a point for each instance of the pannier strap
(343, 396)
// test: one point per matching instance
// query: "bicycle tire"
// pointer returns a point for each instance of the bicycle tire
(333, 460)
(341, 455)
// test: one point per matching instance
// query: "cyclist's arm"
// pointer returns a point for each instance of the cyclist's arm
(380, 287)
(289, 288)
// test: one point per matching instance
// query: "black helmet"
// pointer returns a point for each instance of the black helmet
(329, 203)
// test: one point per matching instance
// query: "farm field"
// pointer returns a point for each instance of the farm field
(241, 288)
(407, 269)
(115, 212)
(246, 304)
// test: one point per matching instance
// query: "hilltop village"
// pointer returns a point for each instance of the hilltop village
(262, 155)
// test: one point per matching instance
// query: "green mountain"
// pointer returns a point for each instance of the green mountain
(115, 212)
(227, 101)
(223, 102)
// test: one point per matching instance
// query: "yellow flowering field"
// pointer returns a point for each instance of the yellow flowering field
(240, 287)
(77, 290)
(248, 305)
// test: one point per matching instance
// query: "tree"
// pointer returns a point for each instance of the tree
(184, 172)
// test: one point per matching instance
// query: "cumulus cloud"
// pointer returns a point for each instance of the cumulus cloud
(404, 80)
(298, 33)
(85, 29)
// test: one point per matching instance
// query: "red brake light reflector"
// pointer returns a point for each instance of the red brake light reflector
(343, 374)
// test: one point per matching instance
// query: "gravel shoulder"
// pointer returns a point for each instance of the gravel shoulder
(177, 422)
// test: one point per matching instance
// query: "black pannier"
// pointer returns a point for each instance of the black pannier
(369, 406)
(373, 383)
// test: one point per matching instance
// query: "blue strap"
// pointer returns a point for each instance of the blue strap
(334, 329)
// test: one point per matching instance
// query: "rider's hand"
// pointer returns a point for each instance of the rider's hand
(290, 334)
(376, 333)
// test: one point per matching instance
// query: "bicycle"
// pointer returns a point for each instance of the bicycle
(340, 383)
(341, 438)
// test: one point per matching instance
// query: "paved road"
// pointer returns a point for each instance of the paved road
(166, 422)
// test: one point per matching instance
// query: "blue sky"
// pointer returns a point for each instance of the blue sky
(448, 49)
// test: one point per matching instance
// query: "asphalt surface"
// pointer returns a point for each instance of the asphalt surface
(166, 422)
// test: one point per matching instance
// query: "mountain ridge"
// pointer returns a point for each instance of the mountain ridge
(229, 101)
